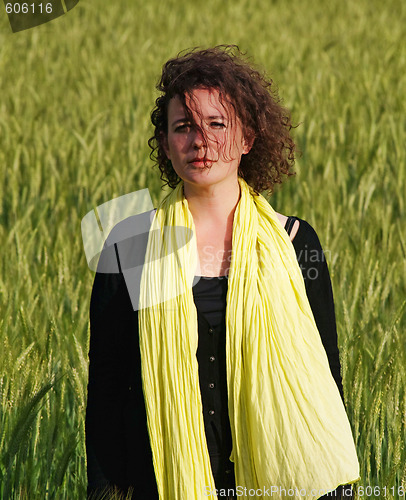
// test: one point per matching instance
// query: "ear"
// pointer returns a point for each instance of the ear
(164, 143)
(248, 142)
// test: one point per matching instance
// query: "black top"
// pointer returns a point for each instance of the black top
(210, 299)
(117, 442)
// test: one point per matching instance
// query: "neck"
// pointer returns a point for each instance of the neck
(212, 203)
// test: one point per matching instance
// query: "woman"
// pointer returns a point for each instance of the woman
(220, 385)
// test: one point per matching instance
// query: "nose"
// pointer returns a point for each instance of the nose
(197, 139)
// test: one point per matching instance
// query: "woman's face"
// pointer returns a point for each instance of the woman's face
(208, 150)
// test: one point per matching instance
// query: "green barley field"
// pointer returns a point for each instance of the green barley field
(75, 98)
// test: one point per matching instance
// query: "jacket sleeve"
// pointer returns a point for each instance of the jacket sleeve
(312, 262)
(117, 442)
(109, 381)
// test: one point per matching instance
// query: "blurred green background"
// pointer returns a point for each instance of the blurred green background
(75, 100)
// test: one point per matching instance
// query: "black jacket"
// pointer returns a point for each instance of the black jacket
(117, 442)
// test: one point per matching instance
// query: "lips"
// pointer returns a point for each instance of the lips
(200, 162)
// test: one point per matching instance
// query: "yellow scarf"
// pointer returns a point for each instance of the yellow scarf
(289, 426)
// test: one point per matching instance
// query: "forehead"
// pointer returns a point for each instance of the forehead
(200, 102)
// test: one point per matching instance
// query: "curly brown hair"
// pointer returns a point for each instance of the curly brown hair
(252, 96)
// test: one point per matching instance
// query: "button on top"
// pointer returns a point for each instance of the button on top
(212, 358)
(211, 330)
(211, 385)
(211, 412)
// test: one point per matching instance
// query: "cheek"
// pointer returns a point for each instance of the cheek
(232, 147)
(219, 143)
(176, 144)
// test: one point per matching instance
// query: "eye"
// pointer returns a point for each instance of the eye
(217, 125)
(183, 127)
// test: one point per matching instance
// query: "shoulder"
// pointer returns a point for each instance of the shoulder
(300, 231)
(305, 235)
(283, 219)
(124, 249)
(132, 226)
(310, 255)
(125, 245)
